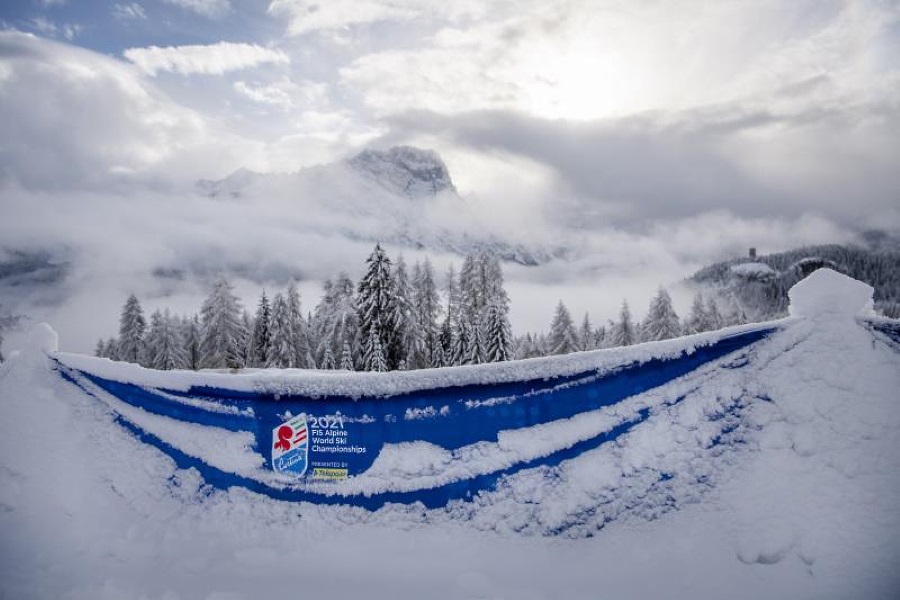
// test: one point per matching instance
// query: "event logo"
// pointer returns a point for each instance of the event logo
(290, 446)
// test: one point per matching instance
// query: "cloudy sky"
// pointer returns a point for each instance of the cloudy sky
(666, 134)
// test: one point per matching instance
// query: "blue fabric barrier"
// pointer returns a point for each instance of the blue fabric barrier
(889, 329)
(342, 436)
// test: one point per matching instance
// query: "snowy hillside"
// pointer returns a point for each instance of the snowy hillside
(769, 469)
(760, 287)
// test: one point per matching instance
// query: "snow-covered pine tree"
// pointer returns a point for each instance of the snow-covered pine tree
(322, 328)
(460, 344)
(471, 295)
(327, 360)
(735, 314)
(713, 316)
(373, 355)
(563, 338)
(346, 317)
(587, 338)
(280, 353)
(377, 310)
(542, 344)
(111, 349)
(262, 325)
(450, 327)
(411, 339)
(438, 358)
(498, 333)
(524, 346)
(697, 321)
(446, 342)
(662, 322)
(151, 340)
(99, 349)
(335, 320)
(190, 333)
(623, 333)
(247, 347)
(346, 357)
(132, 329)
(428, 310)
(165, 346)
(480, 286)
(299, 329)
(346, 337)
(474, 348)
(223, 337)
(600, 337)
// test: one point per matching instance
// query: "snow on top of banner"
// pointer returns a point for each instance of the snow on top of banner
(316, 383)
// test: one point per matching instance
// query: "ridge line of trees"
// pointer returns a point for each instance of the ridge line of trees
(393, 319)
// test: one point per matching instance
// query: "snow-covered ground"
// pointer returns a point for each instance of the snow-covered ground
(771, 473)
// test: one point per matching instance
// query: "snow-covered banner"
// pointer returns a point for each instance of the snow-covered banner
(314, 436)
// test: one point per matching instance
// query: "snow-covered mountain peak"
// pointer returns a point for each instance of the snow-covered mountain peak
(413, 172)
(232, 185)
(401, 196)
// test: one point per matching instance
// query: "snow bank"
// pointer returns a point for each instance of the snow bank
(828, 294)
(42, 338)
(772, 474)
(754, 270)
(315, 383)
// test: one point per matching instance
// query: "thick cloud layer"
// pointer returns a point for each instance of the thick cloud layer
(659, 166)
(75, 118)
(645, 138)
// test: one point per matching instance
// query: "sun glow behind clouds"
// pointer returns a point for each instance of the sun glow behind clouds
(615, 62)
(583, 81)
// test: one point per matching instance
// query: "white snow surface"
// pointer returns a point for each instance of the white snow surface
(800, 501)
(832, 295)
(753, 270)
(316, 383)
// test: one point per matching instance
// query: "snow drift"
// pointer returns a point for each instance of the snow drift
(770, 469)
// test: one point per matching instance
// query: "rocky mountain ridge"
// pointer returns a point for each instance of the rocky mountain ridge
(402, 196)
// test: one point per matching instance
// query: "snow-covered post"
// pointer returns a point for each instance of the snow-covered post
(829, 295)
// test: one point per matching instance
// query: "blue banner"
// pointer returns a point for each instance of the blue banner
(336, 437)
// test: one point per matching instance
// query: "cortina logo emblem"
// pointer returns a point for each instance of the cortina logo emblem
(290, 446)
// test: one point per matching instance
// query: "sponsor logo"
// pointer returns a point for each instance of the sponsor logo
(290, 446)
(329, 474)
